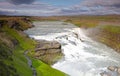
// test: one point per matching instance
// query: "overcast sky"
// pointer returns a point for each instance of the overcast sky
(59, 7)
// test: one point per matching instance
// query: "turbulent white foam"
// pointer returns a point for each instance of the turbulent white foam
(49, 37)
(83, 56)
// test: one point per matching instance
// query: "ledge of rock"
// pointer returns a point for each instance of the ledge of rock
(44, 45)
(48, 51)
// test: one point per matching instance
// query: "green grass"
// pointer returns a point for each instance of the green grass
(6, 61)
(112, 29)
(46, 70)
(86, 24)
(20, 62)
(24, 42)
(110, 36)
(83, 23)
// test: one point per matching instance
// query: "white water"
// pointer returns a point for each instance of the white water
(83, 56)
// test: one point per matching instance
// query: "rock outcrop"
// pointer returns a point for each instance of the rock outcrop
(2, 22)
(111, 71)
(48, 51)
(44, 45)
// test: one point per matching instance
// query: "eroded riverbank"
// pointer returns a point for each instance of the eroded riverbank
(83, 56)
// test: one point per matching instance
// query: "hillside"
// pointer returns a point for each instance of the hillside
(13, 44)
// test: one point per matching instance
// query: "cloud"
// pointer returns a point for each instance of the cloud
(115, 3)
(17, 2)
(35, 8)
(98, 7)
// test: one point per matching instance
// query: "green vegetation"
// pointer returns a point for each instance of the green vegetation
(13, 44)
(112, 29)
(19, 61)
(45, 70)
(110, 35)
(6, 65)
(84, 23)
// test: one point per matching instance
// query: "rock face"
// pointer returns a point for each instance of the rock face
(111, 71)
(48, 51)
(44, 45)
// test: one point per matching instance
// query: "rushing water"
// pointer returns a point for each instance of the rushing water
(83, 56)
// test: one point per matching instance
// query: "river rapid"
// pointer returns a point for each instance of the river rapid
(82, 55)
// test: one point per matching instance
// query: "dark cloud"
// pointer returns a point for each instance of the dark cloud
(105, 3)
(34, 9)
(5, 12)
(17, 2)
(98, 7)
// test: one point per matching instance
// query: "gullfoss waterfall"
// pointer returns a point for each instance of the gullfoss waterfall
(82, 55)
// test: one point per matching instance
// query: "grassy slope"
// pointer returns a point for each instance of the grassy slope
(19, 61)
(111, 36)
(45, 70)
(6, 65)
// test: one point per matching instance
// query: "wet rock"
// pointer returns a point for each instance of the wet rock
(44, 45)
(118, 70)
(50, 51)
(111, 68)
(73, 43)
(111, 71)
(105, 74)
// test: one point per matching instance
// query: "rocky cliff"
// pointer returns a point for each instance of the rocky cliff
(48, 51)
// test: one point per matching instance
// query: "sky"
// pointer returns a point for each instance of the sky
(59, 7)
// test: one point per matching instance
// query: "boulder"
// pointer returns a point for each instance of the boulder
(118, 70)
(105, 74)
(111, 68)
(111, 71)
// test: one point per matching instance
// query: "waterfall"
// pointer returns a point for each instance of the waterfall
(83, 56)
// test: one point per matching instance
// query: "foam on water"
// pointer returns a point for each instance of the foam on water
(83, 56)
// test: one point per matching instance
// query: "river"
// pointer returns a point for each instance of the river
(83, 56)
